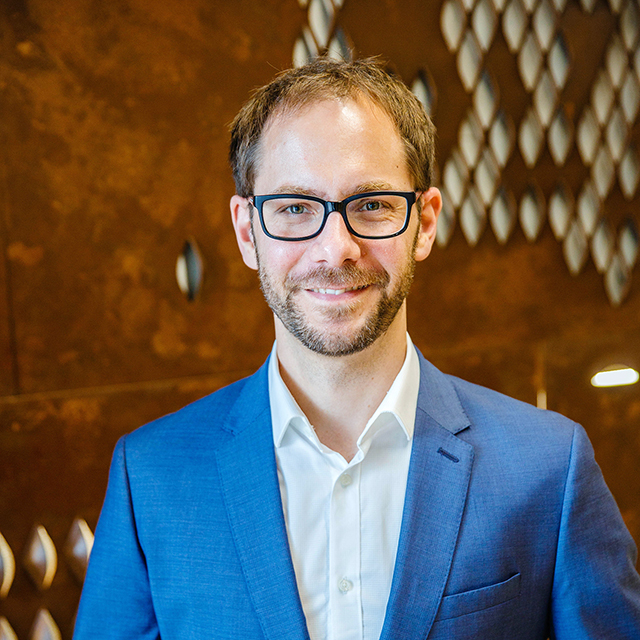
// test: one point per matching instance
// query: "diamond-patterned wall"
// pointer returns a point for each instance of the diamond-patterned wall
(475, 183)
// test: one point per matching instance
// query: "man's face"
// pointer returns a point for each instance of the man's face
(335, 293)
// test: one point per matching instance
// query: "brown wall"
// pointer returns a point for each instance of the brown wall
(113, 142)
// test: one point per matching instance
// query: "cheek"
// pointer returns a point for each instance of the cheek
(394, 255)
(278, 258)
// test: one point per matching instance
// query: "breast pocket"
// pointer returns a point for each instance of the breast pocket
(461, 604)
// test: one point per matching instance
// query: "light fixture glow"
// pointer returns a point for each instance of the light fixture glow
(615, 376)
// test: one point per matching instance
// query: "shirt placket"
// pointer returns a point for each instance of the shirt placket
(345, 588)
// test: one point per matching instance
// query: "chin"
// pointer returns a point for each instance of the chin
(339, 343)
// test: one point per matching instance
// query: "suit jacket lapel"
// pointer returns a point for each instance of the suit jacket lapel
(437, 485)
(249, 480)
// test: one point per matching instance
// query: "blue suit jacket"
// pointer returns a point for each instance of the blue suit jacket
(508, 530)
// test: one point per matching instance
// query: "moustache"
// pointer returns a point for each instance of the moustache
(338, 278)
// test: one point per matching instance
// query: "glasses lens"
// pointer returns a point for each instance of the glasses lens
(377, 214)
(292, 217)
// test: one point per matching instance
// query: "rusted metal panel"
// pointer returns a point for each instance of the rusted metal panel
(117, 141)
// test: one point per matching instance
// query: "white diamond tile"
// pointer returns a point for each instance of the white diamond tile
(424, 90)
(629, 173)
(77, 548)
(6, 631)
(602, 97)
(7, 567)
(575, 248)
(190, 269)
(560, 5)
(616, 5)
(559, 61)
(530, 138)
(531, 213)
(560, 138)
(484, 21)
(630, 97)
(530, 5)
(602, 246)
(514, 24)
(636, 62)
(588, 5)
(545, 98)
(501, 138)
(469, 60)
(446, 221)
(485, 100)
(588, 136)
(617, 61)
(603, 172)
(301, 53)
(321, 20)
(616, 281)
(630, 25)
(530, 62)
(629, 243)
(453, 21)
(616, 134)
(588, 208)
(486, 177)
(473, 218)
(40, 558)
(455, 178)
(470, 138)
(500, 5)
(560, 211)
(503, 216)
(544, 24)
(468, 5)
(339, 48)
(44, 627)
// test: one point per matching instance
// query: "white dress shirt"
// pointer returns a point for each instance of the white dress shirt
(343, 518)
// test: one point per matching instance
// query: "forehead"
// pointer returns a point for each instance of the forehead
(330, 144)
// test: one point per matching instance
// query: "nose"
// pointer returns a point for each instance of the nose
(335, 245)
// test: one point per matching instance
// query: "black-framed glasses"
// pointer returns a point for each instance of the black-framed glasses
(374, 215)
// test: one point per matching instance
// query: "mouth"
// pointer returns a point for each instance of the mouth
(337, 292)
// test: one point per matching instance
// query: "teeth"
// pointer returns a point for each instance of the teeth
(336, 292)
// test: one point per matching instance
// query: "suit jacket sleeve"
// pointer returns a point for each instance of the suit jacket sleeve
(116, 598)
(596, 589)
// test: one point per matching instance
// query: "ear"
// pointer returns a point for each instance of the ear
(431, 205)
(241, 218)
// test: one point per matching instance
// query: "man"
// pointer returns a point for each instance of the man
(349, 490)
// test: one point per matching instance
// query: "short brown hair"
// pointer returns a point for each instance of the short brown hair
(327, 78)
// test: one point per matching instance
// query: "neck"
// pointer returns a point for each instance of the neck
(340, 394)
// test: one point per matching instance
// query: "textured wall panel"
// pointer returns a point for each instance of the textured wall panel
(55, 451)
(116, 116)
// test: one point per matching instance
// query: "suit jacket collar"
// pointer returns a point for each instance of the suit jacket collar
(249, 481)
(439, 400)
(437, 485)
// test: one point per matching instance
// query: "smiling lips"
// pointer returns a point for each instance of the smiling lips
(337, 292)
(337, 281)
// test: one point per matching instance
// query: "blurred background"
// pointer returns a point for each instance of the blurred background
(122, 293)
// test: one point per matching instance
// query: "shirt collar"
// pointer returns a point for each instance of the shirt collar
(398, 407)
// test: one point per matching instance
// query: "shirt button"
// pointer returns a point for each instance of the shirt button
(345, 585)
(345, 480)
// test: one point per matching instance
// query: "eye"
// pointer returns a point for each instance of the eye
(372, 205)
(297, 208)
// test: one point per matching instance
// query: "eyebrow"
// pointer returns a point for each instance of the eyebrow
(361, 188)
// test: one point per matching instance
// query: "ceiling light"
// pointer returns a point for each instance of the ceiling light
(615, 376)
